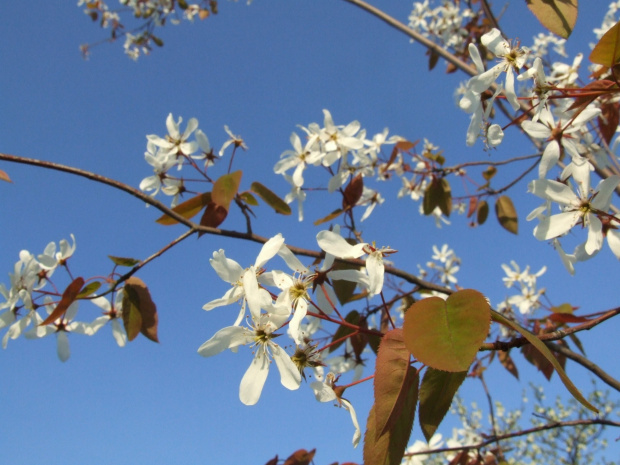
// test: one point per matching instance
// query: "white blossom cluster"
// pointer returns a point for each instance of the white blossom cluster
(20, 313)
(276, 299)
(528, 297)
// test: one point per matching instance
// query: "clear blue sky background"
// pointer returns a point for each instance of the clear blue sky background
(262, 70)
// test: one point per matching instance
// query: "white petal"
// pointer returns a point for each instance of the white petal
(252, 294)
(358, 433)
(289, 373)
(595, 235)
(226, 338)
(62, 346)
(227, 269)
(291, 260)
(301, 310)
(269, 250)
(254, 379)
(613, 240)
(119, 333)
(336, 245)
(549, 158)
(374, 265)
(231, 296)
(556, 225)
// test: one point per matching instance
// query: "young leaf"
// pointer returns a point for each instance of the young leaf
(142, 315)
(352, 317)
(436, 393)
(506, 360)
(225, 188)
(331, 216)
(390, 372)
(68, 297)
(544, 350)
(89, 289)
(483, 211)
(438, 194)
(389, 448)
(506, 214)
(607, 51)
(353, 192)
(558, 16)
(446, 335)
(4, 176)
(271, 199)
(300, 457)
(187, 209)
(213, 216)
(249, 199)
(123, 261)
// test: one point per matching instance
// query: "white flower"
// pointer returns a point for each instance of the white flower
(324, 392)
(583, 208)
(260, 337)
(176, 143)
(111, 313)
(421, 446)
(237, 141)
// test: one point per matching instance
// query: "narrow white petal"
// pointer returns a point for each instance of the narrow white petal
(254, 379)
(291, 260)
(358, 433)
(374, 265)
(301, 309)
(595, 235)
(269, 250)
(62, 346)
(227, 269)
(289, 373)
(556, 225)
(336, 245)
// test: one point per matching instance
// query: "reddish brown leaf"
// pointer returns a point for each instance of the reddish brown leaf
(187, 209)
(567, 318)
(353, 192)
(4, 176)
(608, 121)
(137, 294)
(213, 216)
(300, 457)
(594, 90)
(68, 297)
(506, 360)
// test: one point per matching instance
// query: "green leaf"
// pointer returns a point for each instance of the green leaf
(607, 51)
(89, 289)
(68, 297)
(446, 335)
(436, 393)
(544, 350)
(142, 312)
(187, 209)
(390, 375)
(123, 261)
(506, 214)
(271, 199)
(389, 448)
(249, 199)
(225, 188)
(483, 212)
(438, 194)
(558, 16)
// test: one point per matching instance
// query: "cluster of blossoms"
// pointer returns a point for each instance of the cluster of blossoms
(444, 23)
(528, 298)
(177, 149)
(444, 266)
(275, 299)
(20, 312)
(155, 13)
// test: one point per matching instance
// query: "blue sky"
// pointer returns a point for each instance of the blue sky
(262, 70)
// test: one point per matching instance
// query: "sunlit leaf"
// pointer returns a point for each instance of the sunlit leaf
(249, 199)
(225, 188)
(123, 261)
(544, 350)
(300, 457)
(436, 393)
(4, 176)
(331, 216)
(446, 335)
(68, 297)
(271, 199)
(607, 51)
(506, 214)
(187, 209)
(390, 372)
(558, 16)
(388, 448)
(89, 289)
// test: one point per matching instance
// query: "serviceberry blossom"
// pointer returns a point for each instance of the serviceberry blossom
(324, 392)
(112, 314)
(176, 143)
(259, 336)
(233, 140)
(585, 207)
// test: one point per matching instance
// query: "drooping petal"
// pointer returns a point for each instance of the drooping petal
(375, 268)
(254, 379)
(232, 295)
(291, 260)
(613, 240)
(62, 346)
(301, 310)
(252, 294)
(605, 190)
(226, 338)
(595, 234)
(269, 250)
(358, 433)
(549, 158)
(290, 376)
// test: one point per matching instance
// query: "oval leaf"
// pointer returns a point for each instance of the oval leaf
(138, 298)
(124, 261)
(446, 335)
(4, 176)
(68, 297)
(225, 189)
(506, 214)
(483, 211)
(436, 393)
(89, 289)
(558, 16)
(353, 192)
(187, 209)
(213, 216)
(607, 51)
(271, 199)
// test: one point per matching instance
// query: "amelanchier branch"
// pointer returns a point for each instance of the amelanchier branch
(525, 432)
